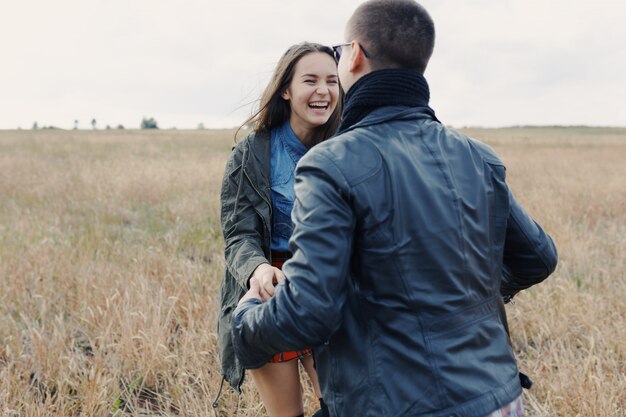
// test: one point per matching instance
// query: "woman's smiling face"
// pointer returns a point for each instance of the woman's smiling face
(312, 93)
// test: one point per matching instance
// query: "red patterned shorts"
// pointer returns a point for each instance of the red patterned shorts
(278, 259)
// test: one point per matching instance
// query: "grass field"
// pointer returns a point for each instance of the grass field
(111, 258)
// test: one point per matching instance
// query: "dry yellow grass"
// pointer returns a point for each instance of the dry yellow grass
(111, 257)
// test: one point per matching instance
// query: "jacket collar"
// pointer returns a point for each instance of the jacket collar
(390, 113)
(383, 88)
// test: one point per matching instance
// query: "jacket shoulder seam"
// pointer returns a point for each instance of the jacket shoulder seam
(358, 179)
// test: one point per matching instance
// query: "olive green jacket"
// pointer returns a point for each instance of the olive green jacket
(246, 210)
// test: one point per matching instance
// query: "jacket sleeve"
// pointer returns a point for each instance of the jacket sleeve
(307, 308)
(530, 255)
(241, 225)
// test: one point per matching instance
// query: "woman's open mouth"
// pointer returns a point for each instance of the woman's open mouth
(319, 105)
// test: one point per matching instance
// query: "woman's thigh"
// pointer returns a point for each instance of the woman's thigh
(279, 387)
(310, 370)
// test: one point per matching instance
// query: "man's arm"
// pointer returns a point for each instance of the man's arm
(529, 253)
(306, 309)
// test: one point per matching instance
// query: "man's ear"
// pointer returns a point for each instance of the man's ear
(357, 58)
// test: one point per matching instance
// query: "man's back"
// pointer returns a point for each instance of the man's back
(423, 213)
(403, 232)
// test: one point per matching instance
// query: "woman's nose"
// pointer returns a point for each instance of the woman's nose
(322, 89)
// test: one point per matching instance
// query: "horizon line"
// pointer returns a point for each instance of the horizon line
(516, 126)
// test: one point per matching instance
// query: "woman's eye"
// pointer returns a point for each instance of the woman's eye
(309, 81)
(333, 82)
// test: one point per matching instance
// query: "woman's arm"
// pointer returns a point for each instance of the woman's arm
(242, 226)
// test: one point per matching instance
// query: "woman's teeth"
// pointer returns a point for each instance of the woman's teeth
(318, 105)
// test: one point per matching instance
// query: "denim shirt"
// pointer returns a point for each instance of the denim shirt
(285, 150)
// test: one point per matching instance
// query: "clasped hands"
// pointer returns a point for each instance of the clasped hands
(262, 282)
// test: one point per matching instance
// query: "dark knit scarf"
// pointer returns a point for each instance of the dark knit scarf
(387, 87)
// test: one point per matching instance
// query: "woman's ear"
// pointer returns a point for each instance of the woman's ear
(285, 95)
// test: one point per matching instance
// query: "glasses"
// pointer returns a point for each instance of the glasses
(337, 50)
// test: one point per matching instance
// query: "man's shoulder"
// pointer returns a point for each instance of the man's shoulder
(477, 146)
(486, 152)
(344, 142)
(349, 156)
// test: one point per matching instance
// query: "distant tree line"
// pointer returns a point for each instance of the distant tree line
(146, 123)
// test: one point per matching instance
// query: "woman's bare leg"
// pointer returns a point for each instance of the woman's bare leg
(279, 387)
(310, 370)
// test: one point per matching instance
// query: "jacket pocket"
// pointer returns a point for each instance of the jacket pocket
(470, 351)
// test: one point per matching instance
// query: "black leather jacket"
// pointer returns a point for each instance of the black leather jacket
(403, 229)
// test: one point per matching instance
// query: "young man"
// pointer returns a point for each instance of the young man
(406, 237)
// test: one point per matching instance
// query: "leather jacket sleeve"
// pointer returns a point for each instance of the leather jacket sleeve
(307, 308)
(530, 255)
(241, 225)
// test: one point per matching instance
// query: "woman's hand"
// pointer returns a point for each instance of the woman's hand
(267, 277)
(253, 292)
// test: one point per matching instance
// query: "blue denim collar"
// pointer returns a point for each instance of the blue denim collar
(290, 141)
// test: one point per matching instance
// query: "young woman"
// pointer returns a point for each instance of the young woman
(299, 108)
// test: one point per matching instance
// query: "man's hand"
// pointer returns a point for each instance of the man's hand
(267, 278)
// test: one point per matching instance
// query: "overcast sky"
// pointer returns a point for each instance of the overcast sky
(185, 62)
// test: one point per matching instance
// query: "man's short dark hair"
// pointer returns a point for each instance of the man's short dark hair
(395, 33)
